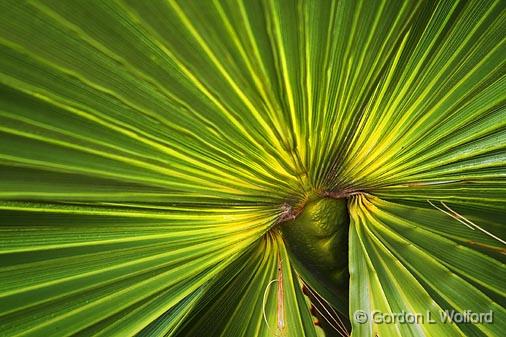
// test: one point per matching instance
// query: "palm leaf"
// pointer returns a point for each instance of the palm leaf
(149, 150)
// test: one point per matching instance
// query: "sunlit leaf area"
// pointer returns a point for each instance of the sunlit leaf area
(253, 168)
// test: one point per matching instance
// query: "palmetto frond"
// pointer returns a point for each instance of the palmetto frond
(151, 151)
